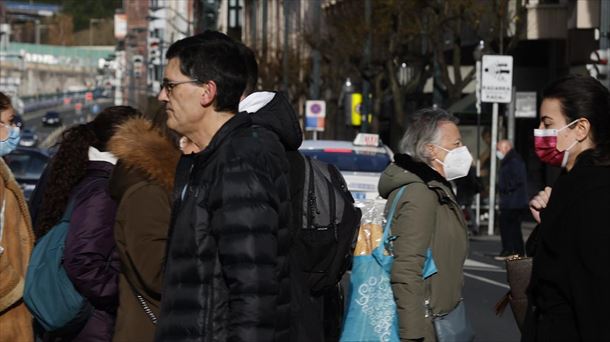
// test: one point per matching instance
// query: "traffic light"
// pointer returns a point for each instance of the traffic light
(154, 50)
(599, 67)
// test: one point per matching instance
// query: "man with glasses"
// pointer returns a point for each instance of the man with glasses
(226, 270)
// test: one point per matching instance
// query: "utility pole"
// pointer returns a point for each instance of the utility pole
(314, 92)
(364, 124)
(604, 28)
(286, 5)
(253, 9)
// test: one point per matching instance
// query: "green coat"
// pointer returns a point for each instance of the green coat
(427, 215)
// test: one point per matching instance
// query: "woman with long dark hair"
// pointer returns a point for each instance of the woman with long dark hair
(79, 173)
(568, 291)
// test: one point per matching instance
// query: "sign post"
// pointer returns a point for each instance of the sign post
(496, 87)
(315, 113)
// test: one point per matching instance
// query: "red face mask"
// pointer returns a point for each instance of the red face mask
(545, 145)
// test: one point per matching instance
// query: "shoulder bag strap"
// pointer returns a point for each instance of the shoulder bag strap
(388, 225)
(147, 310)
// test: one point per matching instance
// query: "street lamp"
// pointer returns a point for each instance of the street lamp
(91, 21)
(405, 74)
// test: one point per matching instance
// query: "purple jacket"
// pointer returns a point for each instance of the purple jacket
(90, 256)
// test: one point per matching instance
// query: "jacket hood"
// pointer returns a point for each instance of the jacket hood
(141, 147)
(279, 116)
(405, 171)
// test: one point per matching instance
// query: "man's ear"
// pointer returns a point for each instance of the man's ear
(208, 95)
(583, 127)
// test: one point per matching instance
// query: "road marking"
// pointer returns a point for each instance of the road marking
(478, 264)
(485, 280)
(473, 265)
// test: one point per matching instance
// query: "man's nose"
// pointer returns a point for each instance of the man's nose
(163, 95)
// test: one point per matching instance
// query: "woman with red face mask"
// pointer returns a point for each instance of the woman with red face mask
(568, 291)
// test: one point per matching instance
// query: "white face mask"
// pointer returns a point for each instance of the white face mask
(457, 162)
(500, 155)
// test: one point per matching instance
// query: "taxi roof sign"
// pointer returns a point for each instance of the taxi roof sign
(367, 139)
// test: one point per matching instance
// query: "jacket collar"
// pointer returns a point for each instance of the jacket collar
(237, 122)
(422, 170)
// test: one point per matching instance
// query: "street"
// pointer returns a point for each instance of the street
(484, 284)
(32, 120)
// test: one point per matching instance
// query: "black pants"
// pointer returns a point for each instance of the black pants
(510, 231)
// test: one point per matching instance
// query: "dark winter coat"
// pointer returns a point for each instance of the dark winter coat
(568, 291)
(141, 183)
(227, 275)
(512, 184)
(90, 257)
(309, 316)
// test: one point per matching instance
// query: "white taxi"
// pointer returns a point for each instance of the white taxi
(361, 162)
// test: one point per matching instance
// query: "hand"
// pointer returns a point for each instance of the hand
(540, 202)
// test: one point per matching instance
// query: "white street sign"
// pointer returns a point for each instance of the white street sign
(497, 78)
(525, 106)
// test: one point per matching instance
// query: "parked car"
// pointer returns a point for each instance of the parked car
(29, 138)
(18, 121)
(27, 164)
(51, 118)
(361, 162)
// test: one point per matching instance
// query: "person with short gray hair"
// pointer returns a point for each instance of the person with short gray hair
(428, 218)
(423, 130)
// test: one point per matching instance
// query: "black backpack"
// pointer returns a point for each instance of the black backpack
(329, 228)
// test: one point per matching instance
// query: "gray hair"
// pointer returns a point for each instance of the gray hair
(422, 130)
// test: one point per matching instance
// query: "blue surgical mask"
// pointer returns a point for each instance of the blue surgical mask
(10, 144)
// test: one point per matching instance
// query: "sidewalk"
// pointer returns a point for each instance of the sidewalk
(526, 229)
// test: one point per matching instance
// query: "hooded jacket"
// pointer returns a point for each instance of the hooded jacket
(312, 318)
(17, 241)
(227, 275)
(90, 257)
(427, 216)
(141, 184)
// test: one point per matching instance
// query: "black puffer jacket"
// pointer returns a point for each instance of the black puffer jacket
(227, 275)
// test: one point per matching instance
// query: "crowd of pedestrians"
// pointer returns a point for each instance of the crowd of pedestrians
(183, 221)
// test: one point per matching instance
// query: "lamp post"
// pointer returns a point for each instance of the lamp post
(91, 21)
(478, 55)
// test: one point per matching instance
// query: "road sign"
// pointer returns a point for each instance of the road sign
(88, 96)
(315, 113)
(525, 106)
(78, 106)
(497, 78)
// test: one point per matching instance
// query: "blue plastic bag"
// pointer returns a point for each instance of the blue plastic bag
(371, 311)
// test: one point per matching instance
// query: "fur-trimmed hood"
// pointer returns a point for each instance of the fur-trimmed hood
(143, 148)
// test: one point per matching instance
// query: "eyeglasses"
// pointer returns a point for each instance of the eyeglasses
(169, 85)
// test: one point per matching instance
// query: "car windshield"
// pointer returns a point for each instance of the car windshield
(26, 165)
(349, 160)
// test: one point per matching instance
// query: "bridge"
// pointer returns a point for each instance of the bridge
(34, 73)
